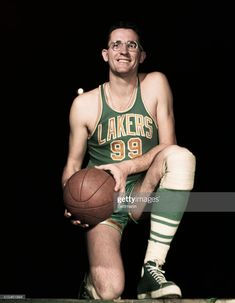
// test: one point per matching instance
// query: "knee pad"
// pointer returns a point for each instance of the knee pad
(178, 169)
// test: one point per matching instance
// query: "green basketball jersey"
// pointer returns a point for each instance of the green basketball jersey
(122, 135)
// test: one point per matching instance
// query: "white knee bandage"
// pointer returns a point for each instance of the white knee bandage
(178, 169)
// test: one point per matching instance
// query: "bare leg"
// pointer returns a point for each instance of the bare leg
(149, 183)
(106, 267)
(164, 173)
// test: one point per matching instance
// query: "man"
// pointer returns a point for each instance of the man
(127, 125)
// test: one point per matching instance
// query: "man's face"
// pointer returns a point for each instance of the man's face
(124, 52)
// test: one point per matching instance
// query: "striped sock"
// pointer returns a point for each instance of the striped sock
(165, 219)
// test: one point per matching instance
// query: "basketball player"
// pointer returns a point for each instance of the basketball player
(127, 124)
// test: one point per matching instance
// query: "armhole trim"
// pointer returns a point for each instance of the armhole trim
(100, 109)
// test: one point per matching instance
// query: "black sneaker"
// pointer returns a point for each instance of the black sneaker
(153, 284)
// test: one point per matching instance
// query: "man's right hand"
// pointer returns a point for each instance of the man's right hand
(68, 215)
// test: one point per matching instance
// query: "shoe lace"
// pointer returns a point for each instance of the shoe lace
(156, 272)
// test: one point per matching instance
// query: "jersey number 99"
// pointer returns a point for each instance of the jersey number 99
(118, 148)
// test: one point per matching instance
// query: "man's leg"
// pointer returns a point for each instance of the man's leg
(105, 279)
(175, 167)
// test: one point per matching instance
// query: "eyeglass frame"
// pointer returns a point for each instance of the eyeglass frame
(121, 43)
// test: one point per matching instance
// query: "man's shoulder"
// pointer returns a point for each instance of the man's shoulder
(86, 100)
(155, 75)
(153, 79)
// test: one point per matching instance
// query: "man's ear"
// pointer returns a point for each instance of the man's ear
(105, 54)
(142, 56)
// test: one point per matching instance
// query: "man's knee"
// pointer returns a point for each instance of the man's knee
(178, 168)
(108, 285)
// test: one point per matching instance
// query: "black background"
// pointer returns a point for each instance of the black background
(51, 49)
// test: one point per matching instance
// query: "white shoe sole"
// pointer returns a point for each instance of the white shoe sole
(171, 291)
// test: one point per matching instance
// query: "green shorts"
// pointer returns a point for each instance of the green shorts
(119, 219)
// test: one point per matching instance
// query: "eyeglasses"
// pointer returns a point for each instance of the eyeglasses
(132, 46)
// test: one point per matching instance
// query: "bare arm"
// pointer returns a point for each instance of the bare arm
(165, 121)
(77, 140)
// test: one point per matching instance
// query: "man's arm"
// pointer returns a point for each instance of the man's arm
(77, 140)
(165, 121)
(77, 145)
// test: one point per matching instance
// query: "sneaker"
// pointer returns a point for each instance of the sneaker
(153, 284)
(83, 292)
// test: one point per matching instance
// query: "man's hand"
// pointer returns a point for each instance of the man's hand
(119, 171)
(74, 222)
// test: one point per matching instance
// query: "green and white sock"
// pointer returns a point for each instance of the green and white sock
(166, 215)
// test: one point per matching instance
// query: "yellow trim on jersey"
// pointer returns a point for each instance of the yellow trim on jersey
(100, 105)
(126, 109)
(151, 116)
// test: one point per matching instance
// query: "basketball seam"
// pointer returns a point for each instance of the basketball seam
(83, 182)
(80, 186)
(98, 187)
(108, 175)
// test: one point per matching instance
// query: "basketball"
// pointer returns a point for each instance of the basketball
(88, 195)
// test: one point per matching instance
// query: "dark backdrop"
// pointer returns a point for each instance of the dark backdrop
(52, 49)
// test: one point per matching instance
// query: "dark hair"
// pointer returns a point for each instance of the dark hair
(126, 25)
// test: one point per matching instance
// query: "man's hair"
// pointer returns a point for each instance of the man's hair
(126, 25)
